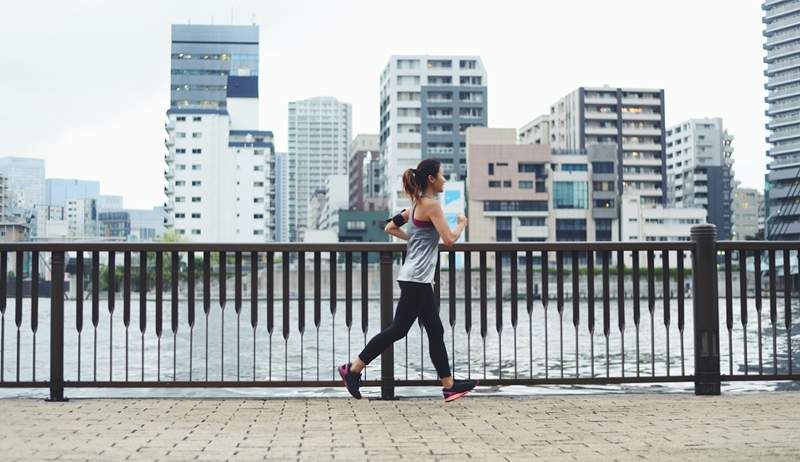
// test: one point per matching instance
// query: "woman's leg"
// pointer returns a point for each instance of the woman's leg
(429, 315)
(404, 317)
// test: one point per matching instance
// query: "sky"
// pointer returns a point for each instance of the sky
(85, 84)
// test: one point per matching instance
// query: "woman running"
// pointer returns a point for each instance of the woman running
(427, 225)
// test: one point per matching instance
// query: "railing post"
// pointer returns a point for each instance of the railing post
(705, 310)
(57, 327)
(387, 357)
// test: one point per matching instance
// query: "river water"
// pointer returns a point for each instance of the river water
(411, 357)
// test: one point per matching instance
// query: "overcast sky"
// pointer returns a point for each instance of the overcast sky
(85, 84)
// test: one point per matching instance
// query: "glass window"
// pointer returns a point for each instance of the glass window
(195, 215)
(602, 229)
(514, 206)
(507, 183)
(570, 229)
(491, 168)
(503, 229)
(603, 167)
(525, 184)
(574, 168)
(532, 221)
(494, 184)
(570, 195)
(604, 203)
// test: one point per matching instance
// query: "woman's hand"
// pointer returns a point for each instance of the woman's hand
(462, 219)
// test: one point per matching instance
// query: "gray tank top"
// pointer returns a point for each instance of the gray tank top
(421, 251)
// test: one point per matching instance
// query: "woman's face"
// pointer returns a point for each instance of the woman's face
(438, 183)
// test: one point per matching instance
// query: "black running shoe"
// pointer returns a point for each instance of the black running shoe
(352, 381)
(459, 389)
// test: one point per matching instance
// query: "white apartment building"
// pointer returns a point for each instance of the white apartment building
(700, 169)
(51, 223)
(426, 105)
(82, 219)
(633, 118)
(319, 143)
(537, 131)
(643, 221)
(282, 197)
(748, 204)
(335, 198)
(220, 182)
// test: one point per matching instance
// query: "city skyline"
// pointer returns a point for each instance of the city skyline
(702, 77)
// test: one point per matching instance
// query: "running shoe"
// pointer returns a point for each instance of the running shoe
(352, 381)
(459, 389)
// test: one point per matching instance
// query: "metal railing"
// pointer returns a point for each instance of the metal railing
(597, 313)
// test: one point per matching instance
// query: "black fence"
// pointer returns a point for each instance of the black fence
(214, 315)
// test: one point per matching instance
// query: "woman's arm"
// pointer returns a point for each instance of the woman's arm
(396, 231)
(449, 237)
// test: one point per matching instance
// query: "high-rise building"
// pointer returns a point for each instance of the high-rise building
(747, 202)
(782, 32)
(426, 105)
(282, 197)
(537, 131)
(643, 221)
(319, 143)
(631, 118)
(58, 190)
(5, 199)
(25, 182)
(335, 198)
(82, 218)
(700, 170)
(363, 150)
(220, 165)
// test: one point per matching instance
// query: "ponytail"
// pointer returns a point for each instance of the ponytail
(415, 180)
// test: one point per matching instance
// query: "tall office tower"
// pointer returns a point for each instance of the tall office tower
(281, 197)
(319, 143)
(537, 131)
(220, 166)
(25, 181)
(426, 105)
(700, 170)
(747, 204)
(632, 118)
(363, 150)
(782, 32)
(58, 190)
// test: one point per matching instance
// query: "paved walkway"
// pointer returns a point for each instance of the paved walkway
(600, 427)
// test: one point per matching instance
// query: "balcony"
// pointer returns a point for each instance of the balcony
(169, 174)
(641, 147)
(784, 149)
(778, 108)
(169, 158)
(566, 278)
(169, 126)
(650, 116)
(782, 80)
(782, 38)
(782, 93)
(600, 100)
(631, 131)
(782, 66)
(168, 142)
(775, 123)
(781, 52)
(597, 115)
(652, 101)
(168, 191)
(781, 23)
(601, 130)
(780, 10)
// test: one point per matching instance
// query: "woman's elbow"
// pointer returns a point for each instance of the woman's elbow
(388, 229)
(447, 242)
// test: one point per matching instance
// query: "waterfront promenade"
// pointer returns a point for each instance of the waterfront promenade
(743, 426)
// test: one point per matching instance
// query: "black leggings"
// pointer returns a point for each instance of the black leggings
(416, 300)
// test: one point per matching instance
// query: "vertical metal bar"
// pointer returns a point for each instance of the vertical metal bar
(223, 279)
(254, 304)
(729, 309)
(159, 308)
(190, 282)
(317, 299)
(237, 307)
(576, 306)
(112, 289)
(651, 306)
(270, 307)
(387, 357)
(301, 305)
(126, 302)
(142, 302)
(206, 303)
(743, 303)
(3, 302)
(175, 295)
(332, 304)
(498, 306)
(348, 296)
(706, 313)
(560, 306)
(514, 305)
(773, 310)
(787, 302)
(364, 299)
(590, 304)
(79, 283)
(34, 306)
(545, 280)
(681, 314)
(18, 274)
(529, 306)
(621, 307)
(665, 296)
(56, 326)
(468, 305)
(757, 281)
(607, 308)
(482, 272)
(95, 306)
(451, 293)
(285, 294)
(637, 313)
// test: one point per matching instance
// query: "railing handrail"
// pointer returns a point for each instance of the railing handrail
(581, 246)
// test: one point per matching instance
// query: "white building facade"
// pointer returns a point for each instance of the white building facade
(319, 143)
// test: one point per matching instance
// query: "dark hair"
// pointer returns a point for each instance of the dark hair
(415, 180)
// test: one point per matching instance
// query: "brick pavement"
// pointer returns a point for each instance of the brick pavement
(747, 426)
